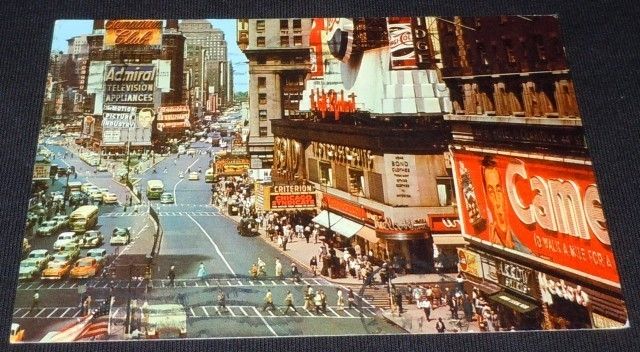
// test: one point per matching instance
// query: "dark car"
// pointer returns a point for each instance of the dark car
(248, 227)
(77, 197)
(62, 171)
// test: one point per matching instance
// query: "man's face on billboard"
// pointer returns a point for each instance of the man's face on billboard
(495, 197)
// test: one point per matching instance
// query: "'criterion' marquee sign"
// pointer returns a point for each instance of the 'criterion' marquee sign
(291, 196)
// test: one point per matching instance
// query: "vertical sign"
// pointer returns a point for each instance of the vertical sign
(401, 44)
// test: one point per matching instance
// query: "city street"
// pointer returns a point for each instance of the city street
(193, 232)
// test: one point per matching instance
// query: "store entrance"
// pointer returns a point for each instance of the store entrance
(564, 314)
(411, 256)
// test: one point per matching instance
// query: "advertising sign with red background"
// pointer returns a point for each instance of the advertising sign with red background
(546, 209)
(316, 48)
(444, 223)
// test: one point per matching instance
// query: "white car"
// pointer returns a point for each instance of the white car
(57, 196)
(96, 195)
(194, 176)
(109, 198)
(64, 239)
(191, 151)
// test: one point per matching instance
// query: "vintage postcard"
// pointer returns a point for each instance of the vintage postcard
(312, 176)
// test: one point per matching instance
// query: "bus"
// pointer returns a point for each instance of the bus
(84, 218)
(208, 175)
(155, 188)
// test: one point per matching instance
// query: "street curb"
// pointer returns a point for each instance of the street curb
(306, 266)
(385, 317)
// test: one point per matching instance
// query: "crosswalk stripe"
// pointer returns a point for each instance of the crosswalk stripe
(65, 312)
(270, 312)
(217, 310)
(40, 312)
(53, 311)
(349, 314)
(193, 314)
(77, 313)
(334, 312)
(243, 312)
(231, 311)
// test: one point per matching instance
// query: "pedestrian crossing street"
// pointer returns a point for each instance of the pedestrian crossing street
(105, 284)
(194, 312)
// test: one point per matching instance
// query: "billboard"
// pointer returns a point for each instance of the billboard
(130, 84)
(132, 33)
(122, 124)
(401, 44)
(546, 210)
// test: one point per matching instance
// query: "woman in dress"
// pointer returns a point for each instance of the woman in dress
(202, 272)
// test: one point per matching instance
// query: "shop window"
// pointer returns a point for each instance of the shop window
(262, 82)
(444, 187)
(262, 115)
(260, 26)
(356, 182)
(260, 42)
(262, 98)
(297, 40)
(263, 131)
(284, 41)
(326, 174)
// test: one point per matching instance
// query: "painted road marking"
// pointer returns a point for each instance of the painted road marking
(53, 311)
(205, 311)
(214, 245)
(265, 322)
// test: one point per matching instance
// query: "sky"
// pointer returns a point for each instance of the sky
(66, 29)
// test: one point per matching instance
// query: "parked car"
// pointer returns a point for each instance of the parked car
(85, 186)
(71, 250)
(194, 176)
(62, 220)
(109, 198)
(47, 228)
(41, 254)
(120, 236)
(91, 239)
(191, 151)
(95, 194)
(29, 269)
(99, 254)
(78, 197)
(56, 270)
(64, 239)
(85, 268)
(57, 196)
(167, 198)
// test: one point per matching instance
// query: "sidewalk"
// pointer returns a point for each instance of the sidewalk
(301, 252)
(414, 321)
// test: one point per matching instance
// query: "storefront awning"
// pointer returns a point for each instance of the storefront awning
(346, 227)
(324, 217)
(368, 234)
(513, 302)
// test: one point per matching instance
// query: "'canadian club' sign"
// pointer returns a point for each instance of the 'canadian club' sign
(133, 32)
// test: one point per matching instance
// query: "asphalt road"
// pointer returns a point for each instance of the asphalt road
(194, 232)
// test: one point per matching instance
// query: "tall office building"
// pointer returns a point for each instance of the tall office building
(212, 41)
(278, 54)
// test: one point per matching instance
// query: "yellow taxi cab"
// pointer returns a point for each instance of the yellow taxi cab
(17, 333)
(85, 268)
(56, 270)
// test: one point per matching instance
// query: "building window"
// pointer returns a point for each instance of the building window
(284, 24)
(260, 42)
(263, 131)
(444, 188)
(297, 23)
(326, 174)
(297, 40)
(356, 182)
(260, 26)
(262, 82)
(262, 115)
(284, 41)
(262, 98)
